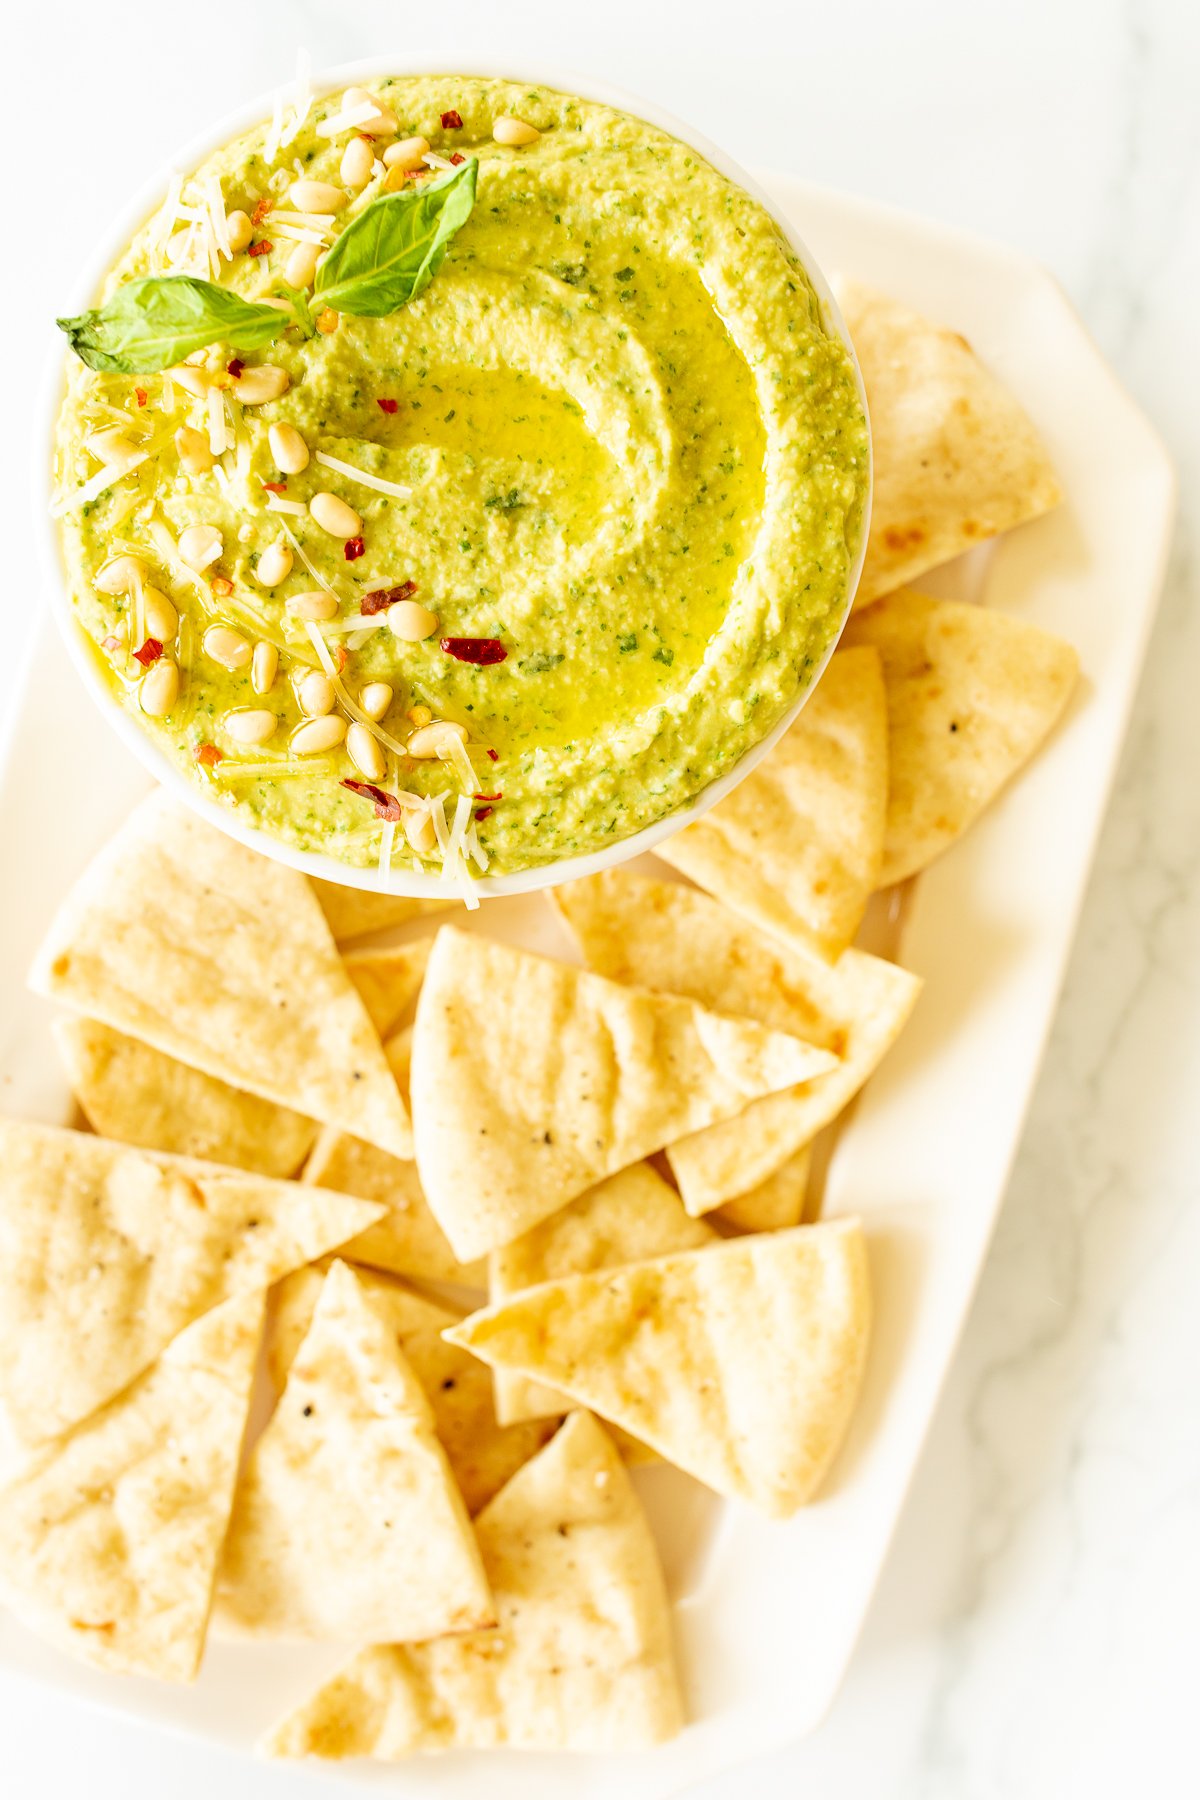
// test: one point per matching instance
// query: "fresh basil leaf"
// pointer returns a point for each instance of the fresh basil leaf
(395, 247)
(152, 323)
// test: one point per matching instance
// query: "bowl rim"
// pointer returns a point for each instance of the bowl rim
(402, 882)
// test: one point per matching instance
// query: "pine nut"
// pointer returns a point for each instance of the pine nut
(384, 124)
(227, 647)
(316, 694)
(192, 380)
(162, 620)
(515, 131)
(431, 740)
(301, 266)
(412, 622)
(319, 734)
(264, 666)
(334, 516)
(289, 452)
(112, 447)
(239, 229)
(160, 688)
(254, 387)
(251, 726)
(375, 699)
(366, 752)
(315, 605)
(200, 545)
(121, 575)
(358, 159)
(274, 565)
(409, 153)
(316, 196)
(193, 451)
(419, 830)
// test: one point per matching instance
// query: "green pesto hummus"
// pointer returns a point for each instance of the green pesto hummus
(636, 455)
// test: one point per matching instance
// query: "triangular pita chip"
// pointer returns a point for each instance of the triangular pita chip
(108, 1252)
(777, 1201)
(138, 1095)
(388, 980)
(740, 1363)
(482, 1454)
(956, 459)
(582, 1659)
(347, 1524)
(633, 1215)
(971, 694)
(110, 1535)
(532, 1081)
(795, 848)
(354, 912)
(183, 937)
(408, 1239)
(661, 934)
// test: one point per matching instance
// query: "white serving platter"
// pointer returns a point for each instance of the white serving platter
(768, 1613)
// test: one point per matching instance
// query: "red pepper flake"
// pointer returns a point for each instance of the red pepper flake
(261, 210)
(222, 585)
(475, 650)
(353, 548)
(451, 121)
(456, 157)
(141, 396)
(263, 247)
(388, 406)
(149, 653)
(494, 755)
(386, 805)
(482, 813)
(496, 796)
(234, 367)
(208, 755)
(341, 657)
(382, 598)
(112, 644)
(274, 487)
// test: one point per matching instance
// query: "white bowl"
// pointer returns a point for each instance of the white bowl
(405, 882)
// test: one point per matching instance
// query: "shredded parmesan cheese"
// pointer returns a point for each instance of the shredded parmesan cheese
(455, 754)
(347, 119)
(228, 770)
(302, 102)
(216, 422)
(298, 234)
(277, 504)
(380, 486)
(81, 496)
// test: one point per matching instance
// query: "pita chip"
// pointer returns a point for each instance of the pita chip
(133, 1093)
(795, 848)
(662, 934)
(740, 1363)
(407, 1239)
(111, 1533)
(482, 1454)
(354, 912)
(582, 1659)
(388, 981)
(347, 1524)
(109, 1252)
(971, 694)
(180, 936)
(532, 1081)
(956, 459)
(633, 1215)
(776, 1202)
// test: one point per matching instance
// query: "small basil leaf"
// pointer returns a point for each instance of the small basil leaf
(152, 323)
(396, 246)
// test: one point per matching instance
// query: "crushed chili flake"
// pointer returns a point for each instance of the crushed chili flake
(149, 652)
(456, 157)
(261, 210)
(208, 755)
(340, 658)
(382, 598)
(263, 247)
(386, 805)
(496, 796)
(222, 585)
(474, 650)
(452, 121)
(274, 487)
(483, 812)
(140, 395)
(235, 367)
(112, 644)
(353, 548)
(494, 755)
(388, 406)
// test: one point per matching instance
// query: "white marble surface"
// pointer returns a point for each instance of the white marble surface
(1037, 1633)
